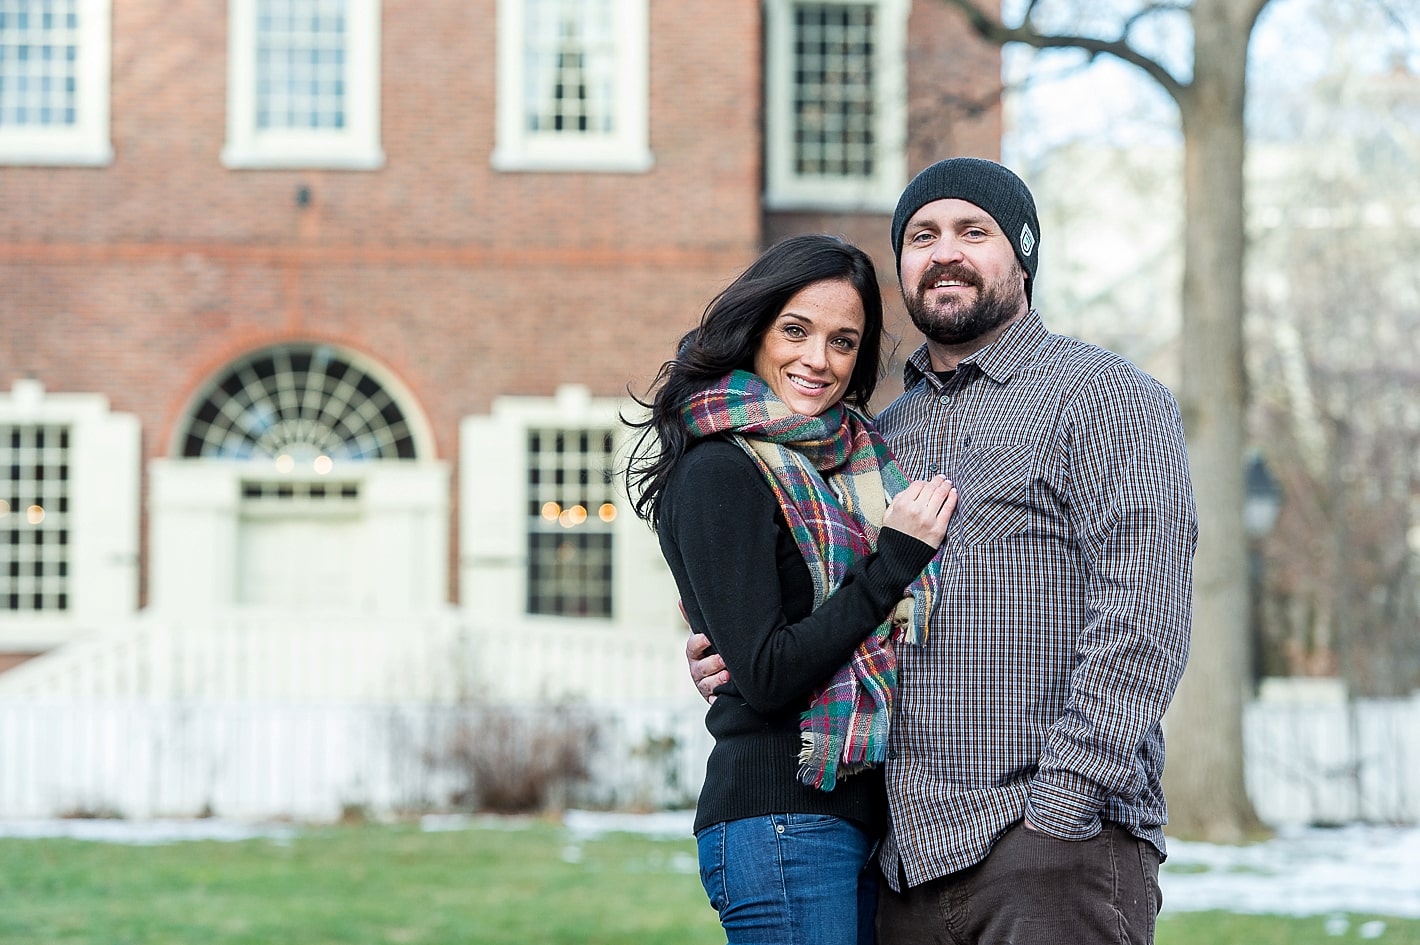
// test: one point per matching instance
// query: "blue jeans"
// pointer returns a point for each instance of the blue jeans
(791, 879)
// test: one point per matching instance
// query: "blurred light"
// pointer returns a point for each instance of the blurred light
(35, 514)
(550, 511)
(573, 517)
(285, 463)
(4, 508)
(607, 513)
(323, 465)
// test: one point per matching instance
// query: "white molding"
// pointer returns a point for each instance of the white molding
(493, 523)
(85, 143)
(787, 190)
(626, 150)
(355, 147)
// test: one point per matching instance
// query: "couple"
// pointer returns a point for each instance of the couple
(937, 681)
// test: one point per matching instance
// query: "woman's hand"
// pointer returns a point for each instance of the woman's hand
(707, 670)
(923, 509)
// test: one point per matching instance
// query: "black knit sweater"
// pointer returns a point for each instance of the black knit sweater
(744, 584)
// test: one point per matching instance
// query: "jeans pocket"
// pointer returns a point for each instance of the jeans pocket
(710, 846)
(814, 840)
(808, 821)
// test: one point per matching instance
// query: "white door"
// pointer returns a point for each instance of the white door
(302, 563)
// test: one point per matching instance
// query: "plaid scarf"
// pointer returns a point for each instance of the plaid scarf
(833, 477)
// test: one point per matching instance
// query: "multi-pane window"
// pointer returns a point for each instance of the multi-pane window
(39, 62)
(300, 492)
(572, 85)
(54, 81)
(300, 405)
(300, 63)
(835, 106)
(571, 510)
(34, 519)
(303, 84)
(836, 100)
(570, 74)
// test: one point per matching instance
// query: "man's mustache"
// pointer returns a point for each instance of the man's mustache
(954, 272)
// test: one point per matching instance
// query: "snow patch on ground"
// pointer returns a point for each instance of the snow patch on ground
(146, 832)
(1301, 871)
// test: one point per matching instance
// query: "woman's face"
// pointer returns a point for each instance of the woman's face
(808, 353)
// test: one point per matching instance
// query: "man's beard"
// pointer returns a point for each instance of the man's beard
(956, 322)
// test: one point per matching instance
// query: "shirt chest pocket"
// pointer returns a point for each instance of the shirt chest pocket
(994, 481)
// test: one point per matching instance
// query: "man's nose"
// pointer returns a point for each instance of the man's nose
(947, 249)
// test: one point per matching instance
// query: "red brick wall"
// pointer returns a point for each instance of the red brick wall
(142, 278)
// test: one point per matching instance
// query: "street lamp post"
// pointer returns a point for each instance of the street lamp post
(1262, 501)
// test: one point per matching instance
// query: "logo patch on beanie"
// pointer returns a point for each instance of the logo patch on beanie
(1027, 240)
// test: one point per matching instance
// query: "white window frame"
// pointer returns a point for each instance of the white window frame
(354, 147)
(625, 150)
(785, 189)
(493, 517)
(86, 142)
(102, 520)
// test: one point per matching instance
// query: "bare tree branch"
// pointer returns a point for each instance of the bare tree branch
(1149, 9)
(990, 28)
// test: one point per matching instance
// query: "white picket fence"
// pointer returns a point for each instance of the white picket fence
(1335, 762)
(307, 762)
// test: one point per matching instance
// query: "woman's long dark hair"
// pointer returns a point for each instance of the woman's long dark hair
(728, 338)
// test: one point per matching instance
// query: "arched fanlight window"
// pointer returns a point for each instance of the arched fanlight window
(300, 401)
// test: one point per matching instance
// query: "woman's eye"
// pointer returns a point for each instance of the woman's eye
(845, 344)
(794, 331)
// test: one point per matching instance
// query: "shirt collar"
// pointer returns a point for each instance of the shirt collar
(998, 360)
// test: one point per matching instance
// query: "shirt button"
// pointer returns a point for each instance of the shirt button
(892, 754)
(932, 469)
(945, 400)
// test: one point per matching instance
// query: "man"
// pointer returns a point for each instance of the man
(1026, 752)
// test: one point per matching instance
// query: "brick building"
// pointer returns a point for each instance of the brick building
(329, 306)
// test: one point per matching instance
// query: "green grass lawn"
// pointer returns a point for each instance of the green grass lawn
(524, 883)
(356, 885)
(1222, 928)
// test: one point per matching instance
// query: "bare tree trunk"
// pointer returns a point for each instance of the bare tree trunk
(1206, 793)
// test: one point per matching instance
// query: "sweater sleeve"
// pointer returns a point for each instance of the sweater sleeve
(720, 535)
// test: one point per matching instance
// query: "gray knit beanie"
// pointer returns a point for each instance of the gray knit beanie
(991, 187)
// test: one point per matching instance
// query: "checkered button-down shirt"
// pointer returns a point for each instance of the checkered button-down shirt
(1064, 621)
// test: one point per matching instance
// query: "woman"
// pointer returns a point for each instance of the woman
(768, 487)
